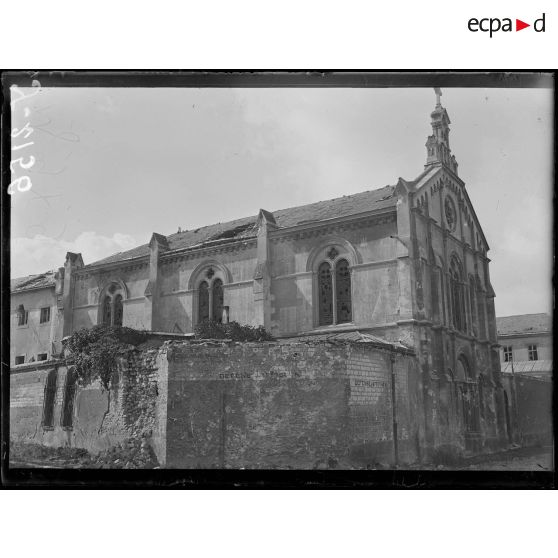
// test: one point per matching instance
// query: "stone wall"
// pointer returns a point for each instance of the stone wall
(101, 418)
(257, 405)
(284, 405)
(529, 410)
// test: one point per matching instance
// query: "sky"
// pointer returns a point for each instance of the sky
(114, 165)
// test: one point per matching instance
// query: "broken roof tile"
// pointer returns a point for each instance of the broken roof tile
(245, 227)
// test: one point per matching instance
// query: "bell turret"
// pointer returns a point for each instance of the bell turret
(437, 145)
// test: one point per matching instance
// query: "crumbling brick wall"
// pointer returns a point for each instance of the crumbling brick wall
(242, 405)
(101, 418)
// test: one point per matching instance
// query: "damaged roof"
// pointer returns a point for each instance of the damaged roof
(524, 323)
(40, 281)
(350, 337)
(247, 227)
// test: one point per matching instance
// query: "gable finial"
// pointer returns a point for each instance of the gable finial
(438, 92)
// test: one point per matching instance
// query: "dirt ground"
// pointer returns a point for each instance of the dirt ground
(133, 455)
(519, 459)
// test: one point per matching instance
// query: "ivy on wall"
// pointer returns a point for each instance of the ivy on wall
(96, 351)
(210, 329)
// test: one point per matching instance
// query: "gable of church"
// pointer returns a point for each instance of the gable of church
(443, 197)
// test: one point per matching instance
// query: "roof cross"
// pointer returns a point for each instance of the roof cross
(438, 92)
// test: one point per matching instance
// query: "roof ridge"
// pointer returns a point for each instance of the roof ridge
(522, 315)
(334, 199)
(286, 217)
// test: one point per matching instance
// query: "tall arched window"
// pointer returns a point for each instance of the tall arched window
(343, 291)
(107, 310)
(480, 309)
(203, 302)
(463, 370)
(67, 419)
(473, 303)
(118, 310)
(325, 294)
(457, 295)
(334, 291)
(208, 282)
(468, 395)
(218, 299)
(50, 399)
(111, 310)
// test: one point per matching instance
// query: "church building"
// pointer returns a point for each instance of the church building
(407, 263)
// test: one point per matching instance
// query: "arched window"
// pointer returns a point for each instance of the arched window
(208, 282)
(463, 370)
(436, 293)
(107, 310)
(457, 295)
(343, 291)
(203, 302)
(111, 310)
(218, 299)
(50, 399)
(118, 310)
(325, 294)
(473, 305)
(334, 292)
(480, 309)
(469, 396)
(67, 420)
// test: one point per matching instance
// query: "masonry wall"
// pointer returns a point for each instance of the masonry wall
(89, 286)
(294, 287)
(292, 405)
(135, 407)
(529, 403)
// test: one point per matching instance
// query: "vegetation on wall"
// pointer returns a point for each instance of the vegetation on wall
(96, 351)
(211, 329)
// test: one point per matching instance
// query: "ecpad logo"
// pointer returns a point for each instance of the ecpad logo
(494, 24)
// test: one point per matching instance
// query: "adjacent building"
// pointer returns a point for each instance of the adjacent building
(526, 361)
(36, 323)
(526, 344)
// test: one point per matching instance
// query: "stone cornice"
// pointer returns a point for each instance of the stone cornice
(293, 275)
(377, 263)
(166, 258)
(326, 226)
(124, 266)
(202, 251)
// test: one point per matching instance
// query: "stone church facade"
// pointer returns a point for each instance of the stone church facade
(407, 263)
